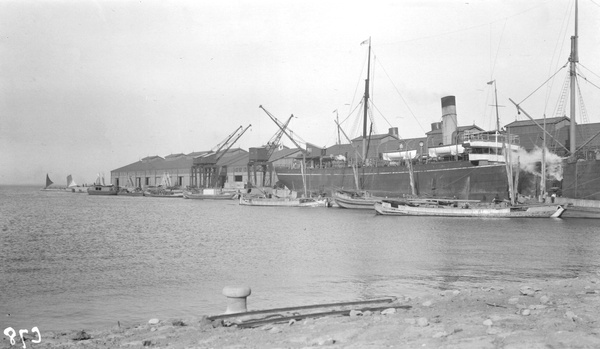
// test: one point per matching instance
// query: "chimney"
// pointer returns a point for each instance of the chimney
(393, 131)
(449, 121)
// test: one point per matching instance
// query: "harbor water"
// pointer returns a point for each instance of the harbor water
(72, 261)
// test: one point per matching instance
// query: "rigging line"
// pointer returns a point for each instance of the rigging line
(372, 119)
(353, 110)
(355, 126)
(463, 29)
(586, 68)
(358, 82)
(558, 48)
(498, 49)
(544, 83)
(589, 82)
(380, 113)
(402, 97)
(593, 2)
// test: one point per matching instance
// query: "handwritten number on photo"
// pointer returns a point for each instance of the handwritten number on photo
(11, 334)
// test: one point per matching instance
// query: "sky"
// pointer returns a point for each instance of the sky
(89, 86)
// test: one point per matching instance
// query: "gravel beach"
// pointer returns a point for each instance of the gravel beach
(546, 314)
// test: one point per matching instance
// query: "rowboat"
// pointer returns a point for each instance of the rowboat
(482, 210)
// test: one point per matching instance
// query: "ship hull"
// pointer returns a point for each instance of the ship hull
(460, 179)
(581, 180)
(102, 190)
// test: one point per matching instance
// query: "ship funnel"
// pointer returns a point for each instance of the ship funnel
(449, 121)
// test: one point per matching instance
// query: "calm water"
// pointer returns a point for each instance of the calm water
(72, 261)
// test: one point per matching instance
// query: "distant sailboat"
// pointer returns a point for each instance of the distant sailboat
(70, 182)
(100, 188)
(48, 181)
(73, 187)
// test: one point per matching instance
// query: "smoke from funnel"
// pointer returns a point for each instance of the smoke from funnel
(531, 162)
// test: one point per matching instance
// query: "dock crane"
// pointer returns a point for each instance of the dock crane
(259, 157)
(206, 167)
(304, 152)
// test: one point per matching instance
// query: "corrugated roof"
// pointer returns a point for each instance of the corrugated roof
(234, 158)
(528, 122)
(198, 153)
(174, 156)
(157, 164)
(460, 129)
(376, 137)
(339, 149)
(284, 153)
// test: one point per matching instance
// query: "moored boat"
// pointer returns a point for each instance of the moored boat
(163, 193)
(451, 160)
(165, 189)
(131, 192)
(101, 188)
(283, 202)
(355, 200)
(49, 187)
(483, 210)
(130, 189)
(210, 194)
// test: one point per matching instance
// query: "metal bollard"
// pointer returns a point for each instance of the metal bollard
(236, 298)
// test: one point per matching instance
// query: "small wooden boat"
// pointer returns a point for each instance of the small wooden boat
(433, 208)
(283, 202)
(164, 193)
(210, 194)
(131, 192)
(101, 188)
(355, 200)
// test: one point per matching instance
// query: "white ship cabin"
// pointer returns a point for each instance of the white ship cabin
(486, 147)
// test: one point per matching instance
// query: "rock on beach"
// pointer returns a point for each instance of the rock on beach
(556, 313)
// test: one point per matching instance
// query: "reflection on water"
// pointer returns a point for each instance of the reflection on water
(72, 261)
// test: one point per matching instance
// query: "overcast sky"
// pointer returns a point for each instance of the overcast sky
(90, 86)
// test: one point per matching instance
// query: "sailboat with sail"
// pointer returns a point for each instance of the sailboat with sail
(130, 189)
(74, 187)
(165, 189)
(49, 187)
(101, 188)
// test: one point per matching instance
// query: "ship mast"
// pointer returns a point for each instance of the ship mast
(573, 59)
(364, 148)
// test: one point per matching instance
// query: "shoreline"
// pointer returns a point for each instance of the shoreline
(549, 313)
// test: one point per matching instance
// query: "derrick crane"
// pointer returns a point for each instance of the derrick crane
(206, 167)
(304, 152)
(259, 157)
(278, 123)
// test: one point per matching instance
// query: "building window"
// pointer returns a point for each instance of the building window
(147, 180)
(239, 178)
(180, 181)
(117, 181)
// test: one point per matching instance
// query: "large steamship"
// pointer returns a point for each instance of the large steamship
(468, 164)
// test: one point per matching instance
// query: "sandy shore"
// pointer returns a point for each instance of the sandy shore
(547, 314)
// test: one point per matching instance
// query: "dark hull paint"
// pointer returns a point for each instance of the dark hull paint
(581, 180)
(102, 190)
(444, 179)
